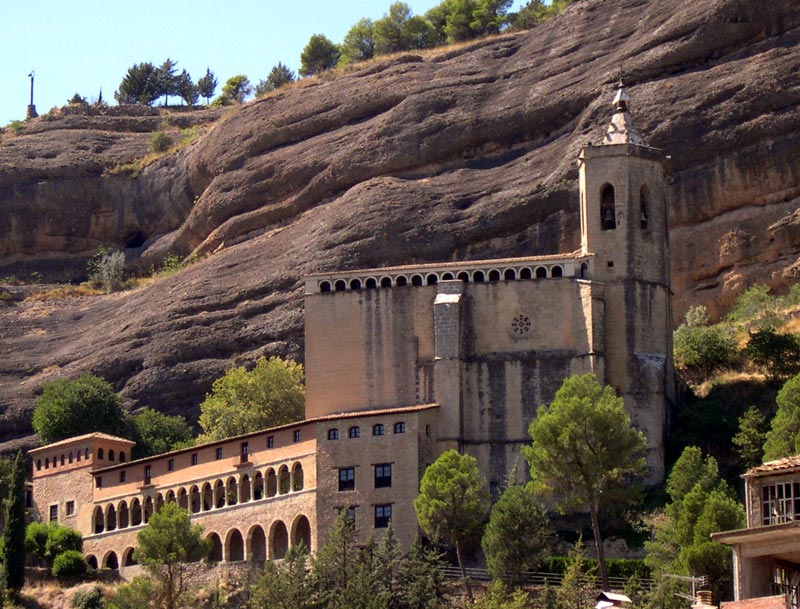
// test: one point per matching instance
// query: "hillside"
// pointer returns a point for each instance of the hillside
(461, 153)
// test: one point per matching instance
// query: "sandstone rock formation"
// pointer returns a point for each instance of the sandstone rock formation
(460, 153)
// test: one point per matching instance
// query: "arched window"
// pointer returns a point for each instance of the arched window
(509, 275)
(333, 434)
(431, 279)
(525, 273)
(556, 271)
(99, 453)
(111, 454)
(325, 287)
(62, 459)
(478, 277)
(86, 455)
(79, 455)
(584, 270)
(38, 465)
(494, 275)
(447, 277)
(386, 282)
(401, 281)
(70, 457)
(416, 280)
(608, 214)
(644, 207)
(354, 432)
(541, 272)
(377, 429)
(464, 276)
(371, 283)
(340, 285)
(400, 427)
(47, 462)
(355, 284)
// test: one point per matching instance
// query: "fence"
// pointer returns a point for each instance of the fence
(535, 578)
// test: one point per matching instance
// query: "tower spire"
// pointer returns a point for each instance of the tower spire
(621, 129)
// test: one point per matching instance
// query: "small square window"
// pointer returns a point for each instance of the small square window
(70, 508)
(383, 475)
(194, 458)
(333, 434)
(377, 430)
(171, 465)
(400, 427)
(354, 432)
(122, 475)
(54, 513)
(98, 482)
(347, 478)
(219, 453)
(270, 441)
(383, 514)
(296, 435)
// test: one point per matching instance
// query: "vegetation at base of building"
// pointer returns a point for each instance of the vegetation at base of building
(700, 503)
(453, 503)
(12, 542)
(90, 598)
(69, 564)
(584, 449)
(242, 400)
(47, 542)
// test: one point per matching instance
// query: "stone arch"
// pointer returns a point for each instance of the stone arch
(463, 276)
(608, 212)
(136, 512)
(215, 553)
(301, 532)
(386, 282)
(111, 517)
(584, 270)
(478, 277)
(110, 561)
(371, 283)
(207, 497)
(340, 285)
(127, 558)
(170, 496)
(91, 560)
(98, 519)
(234, 546)
(284, 480)
(644, 207)
(148, 509)
(231, 491)
(541, 272)
(219, 494)
(525, 273)
(447, 276)
(194, 499)
(245, 489)
(509, 274)
(297, 477)
(123, 515)
(272, 483)
(325, 287)
(416, 280)
(183, 498)
(355, 284)
(278, 540)
(401, 281)
(258, 486)
(494, 275)
(557, 271)
(432, 279)
(256, 544)
(159, 502)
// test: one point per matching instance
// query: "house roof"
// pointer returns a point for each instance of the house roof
(78, 439)
(785, 465)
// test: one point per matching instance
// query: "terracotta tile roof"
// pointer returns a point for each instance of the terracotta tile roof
(779, 465)
(89, 436)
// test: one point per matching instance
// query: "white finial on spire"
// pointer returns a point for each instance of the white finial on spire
(621, 129)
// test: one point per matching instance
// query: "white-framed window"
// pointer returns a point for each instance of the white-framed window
(780, 502)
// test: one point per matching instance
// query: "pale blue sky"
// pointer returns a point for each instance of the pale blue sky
(85, 45)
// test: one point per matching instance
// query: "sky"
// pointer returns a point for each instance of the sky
(83, 46)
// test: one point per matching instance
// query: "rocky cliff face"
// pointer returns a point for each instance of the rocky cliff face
(465, 153)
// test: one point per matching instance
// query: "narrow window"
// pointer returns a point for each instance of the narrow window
(383, 514)
(243, 453)
(70, 508)
(54, 513)
(347, 478)
(219, 453)
(47, 462)
(608, 218)
(400, 427)
(38, 465)
(333, 434)
(69, 459)
(644, 208)
(171, 465)
(111, 454)
(122, 456)
(100, 454)
(383, 475)
(62, 460)
(98, 482)
(296, 435)
(270, 441)
(354, 432)
(147, 474)
(194, 458)
(351, 513)
(377, 429)
(86, 455)
(122, 476)
(79, 456)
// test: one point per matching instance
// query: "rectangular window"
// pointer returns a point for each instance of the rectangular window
(98, 482)
(148, 474)
(219, 453)
(296, 435)
(780, 502)
(54, 513)
(270, 441)
(243, 452)
(347, 478)
(70, 508)
(122, 476)
(194, 458)
(171, 465)
(383, 475)
(383, 514)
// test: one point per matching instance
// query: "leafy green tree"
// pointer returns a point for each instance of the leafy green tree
(167, 80)
(12, 543)
(399, 31)
(279, 76)
(237, 88)
(501, 596)
(453, 503)
(186, 89)
(284, 585)
(530, 15)
(490, 16)
(749, 440)
(165, 547)
(701, 349)
(77, 99)
(584, 445)
(207, 85)
(47, 541)
(6, 481)
(359, 43)
(157, 433)
(69, 563)
(83, 405)
(577, 586)
(518, 535)
(241, 401)
(136, 594)
(140, 85)
(783, 437)
(777, 355)
(319, 54)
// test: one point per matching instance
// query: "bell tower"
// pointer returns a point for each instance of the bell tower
(623, 204)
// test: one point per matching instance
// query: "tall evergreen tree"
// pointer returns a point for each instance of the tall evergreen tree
(319, 54)
(279, 76)
(13, 546)
(167, 80)
(139, 85)
(186, 89)
(207, 85)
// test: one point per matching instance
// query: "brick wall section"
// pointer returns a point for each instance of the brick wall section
(765, 602)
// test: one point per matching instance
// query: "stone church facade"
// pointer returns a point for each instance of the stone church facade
(403, 363)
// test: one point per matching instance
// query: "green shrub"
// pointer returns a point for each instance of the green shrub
(777, 355)
(16, 126)
(134, 595)
(752, 304)
(70, 564)
(36, 534)
(106, 269)
(62, 539)
(160, 142)
(701, 349)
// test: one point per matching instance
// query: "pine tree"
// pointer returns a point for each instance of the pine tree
(13, 546)
(207, 85)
